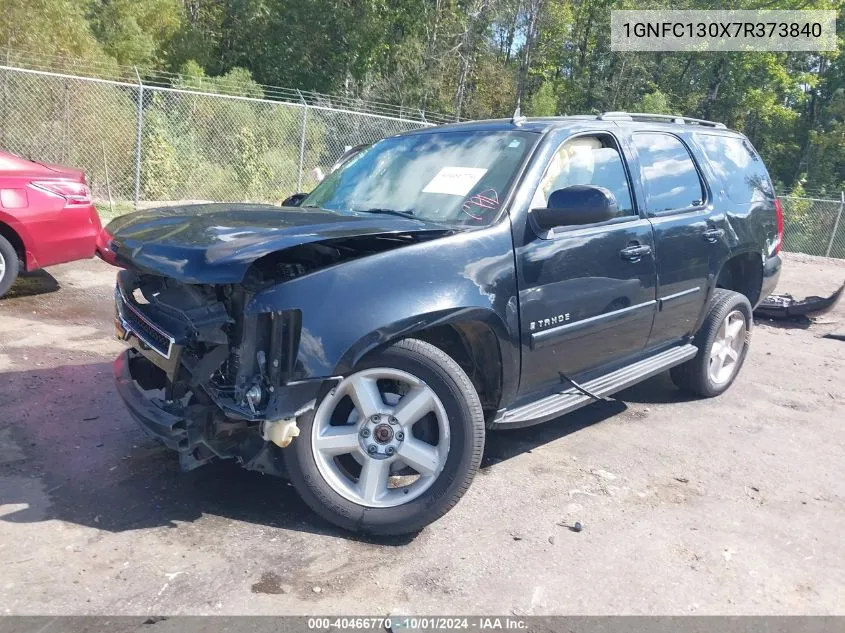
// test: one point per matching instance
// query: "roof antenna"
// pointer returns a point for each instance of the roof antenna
(517, 119)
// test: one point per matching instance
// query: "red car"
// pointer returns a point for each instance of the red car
(46, 217)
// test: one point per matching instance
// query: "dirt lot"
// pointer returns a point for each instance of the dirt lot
(734, 505)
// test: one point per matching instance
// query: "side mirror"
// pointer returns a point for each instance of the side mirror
(574, 205)
(295, 200)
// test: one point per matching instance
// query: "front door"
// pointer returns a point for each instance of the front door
(586, 293)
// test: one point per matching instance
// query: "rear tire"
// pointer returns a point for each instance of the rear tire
(722, 344)
(8, 265)
(447, 441)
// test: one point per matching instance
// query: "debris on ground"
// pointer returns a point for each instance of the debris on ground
(785, 307)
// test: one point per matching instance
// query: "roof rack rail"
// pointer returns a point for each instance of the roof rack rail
(669, 118)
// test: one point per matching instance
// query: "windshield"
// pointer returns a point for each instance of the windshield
(457, 177)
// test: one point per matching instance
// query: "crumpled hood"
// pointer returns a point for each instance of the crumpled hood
(216, 243)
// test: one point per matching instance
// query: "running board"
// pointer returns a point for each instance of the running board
(566, 401)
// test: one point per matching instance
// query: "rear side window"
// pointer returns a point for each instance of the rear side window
(671, 179)
(738, 166)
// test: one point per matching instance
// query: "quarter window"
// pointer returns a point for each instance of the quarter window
(671, 179)
(738, 166)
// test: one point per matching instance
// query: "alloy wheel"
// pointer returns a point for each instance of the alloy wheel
(380, 438)
(727, 347)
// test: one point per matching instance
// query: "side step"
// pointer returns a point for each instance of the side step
(566, 401)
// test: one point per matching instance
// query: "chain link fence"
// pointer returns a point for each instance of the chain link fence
(814, 226)
(144, 145)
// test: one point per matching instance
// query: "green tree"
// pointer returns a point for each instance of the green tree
(160, 167)
(544, 101)
(461, 58)
(655, 102)
(49, 27)
(136, 31)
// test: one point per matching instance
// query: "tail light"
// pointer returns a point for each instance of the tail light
(104, 250)
(74, 192)
(779, 215)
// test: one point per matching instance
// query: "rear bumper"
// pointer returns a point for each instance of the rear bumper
(103, 248)
(72, 235)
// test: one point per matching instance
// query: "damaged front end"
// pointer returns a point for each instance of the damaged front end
(206, 374)
(204, 378)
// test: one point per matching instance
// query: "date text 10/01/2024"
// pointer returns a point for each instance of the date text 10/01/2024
(395, 623)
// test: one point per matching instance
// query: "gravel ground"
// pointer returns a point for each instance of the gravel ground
(730, 506)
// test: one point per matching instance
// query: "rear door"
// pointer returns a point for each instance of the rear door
(744, 189)
(689, 231)
(586, 293)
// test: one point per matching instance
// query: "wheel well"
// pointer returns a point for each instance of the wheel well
(475, 347)
(743, 274)
(15, 240)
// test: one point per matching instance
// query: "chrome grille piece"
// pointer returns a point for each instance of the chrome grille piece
(134, 321)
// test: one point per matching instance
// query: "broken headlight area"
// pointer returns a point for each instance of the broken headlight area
(203, 377)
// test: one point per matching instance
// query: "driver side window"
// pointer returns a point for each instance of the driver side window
(587, 160)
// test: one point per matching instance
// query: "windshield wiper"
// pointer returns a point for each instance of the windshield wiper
(401, 214)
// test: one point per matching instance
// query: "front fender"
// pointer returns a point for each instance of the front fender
(351, 308)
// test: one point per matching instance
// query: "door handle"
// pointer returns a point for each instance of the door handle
(712, 235)
(635, 252)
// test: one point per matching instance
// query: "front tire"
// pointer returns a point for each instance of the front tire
(8, 265)
(394, 446)
(722, 345)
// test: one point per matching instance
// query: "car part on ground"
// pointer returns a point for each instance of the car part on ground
(785, 306)
(46, 216)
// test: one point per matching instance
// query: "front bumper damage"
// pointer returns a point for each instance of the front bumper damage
(203, 379)
(169, 428)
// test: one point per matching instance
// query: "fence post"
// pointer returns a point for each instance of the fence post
(302, 142)
(139, 137)
(4, 119)
(65, 140)
(836, 224)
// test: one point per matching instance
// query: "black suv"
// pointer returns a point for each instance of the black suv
(439, 284)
